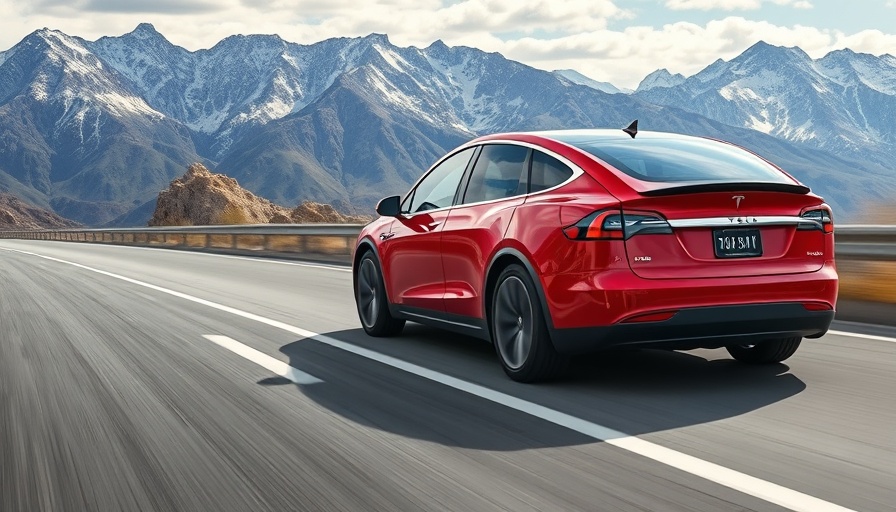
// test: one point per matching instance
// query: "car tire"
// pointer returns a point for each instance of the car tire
(519, 330)
(371, 300)
(766, 352)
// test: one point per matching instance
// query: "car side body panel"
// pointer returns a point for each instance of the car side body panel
(472, 233)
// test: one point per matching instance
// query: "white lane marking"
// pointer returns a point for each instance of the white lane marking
(263, 360)
(756, 487)
(336, 267)
(860, 335)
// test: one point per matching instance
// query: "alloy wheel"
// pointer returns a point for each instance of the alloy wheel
(368, 300)
(514, 322)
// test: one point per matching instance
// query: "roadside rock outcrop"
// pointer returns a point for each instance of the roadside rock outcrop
(201, 197)
(15, 213)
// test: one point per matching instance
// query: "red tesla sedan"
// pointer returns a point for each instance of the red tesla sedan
(551, 244)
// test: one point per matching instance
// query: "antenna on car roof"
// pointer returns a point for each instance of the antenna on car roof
(632, 129)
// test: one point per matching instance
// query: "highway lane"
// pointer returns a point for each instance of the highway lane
(189, 424)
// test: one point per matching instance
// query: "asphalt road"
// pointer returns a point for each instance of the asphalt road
(136, 388)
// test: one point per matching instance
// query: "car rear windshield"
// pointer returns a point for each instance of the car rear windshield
(684, 159)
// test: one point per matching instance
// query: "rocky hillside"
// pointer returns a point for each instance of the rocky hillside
(14, 214)
(201, 197)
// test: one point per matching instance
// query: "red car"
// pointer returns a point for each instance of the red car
(551, 244)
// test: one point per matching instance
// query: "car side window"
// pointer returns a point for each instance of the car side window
(547, 172)
(501, 171)
(438, 188)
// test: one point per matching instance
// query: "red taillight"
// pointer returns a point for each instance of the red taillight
(650, 317)
(817, 306)
(617, 225)
(821, 218)
(600, 225)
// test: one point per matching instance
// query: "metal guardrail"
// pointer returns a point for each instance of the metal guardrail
(323, 242)
(336, 241)
(866, 242)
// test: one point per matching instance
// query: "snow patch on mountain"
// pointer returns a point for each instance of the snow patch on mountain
(38, 88)
(460, 87)
(571, 76)
(123, 105)
(660, 78)
(392, 58)
(399, 99)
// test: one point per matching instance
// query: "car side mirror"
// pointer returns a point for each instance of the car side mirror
(389, 207)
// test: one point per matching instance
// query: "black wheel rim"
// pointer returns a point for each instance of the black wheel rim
(368, 299)
(514, 322)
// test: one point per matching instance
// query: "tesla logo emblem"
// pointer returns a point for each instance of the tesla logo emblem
(738, 199)
(743, 220)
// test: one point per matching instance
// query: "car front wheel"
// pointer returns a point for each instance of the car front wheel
(766, 352)
(519, 330)
(370, 297)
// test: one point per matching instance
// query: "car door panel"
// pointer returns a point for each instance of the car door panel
(496, 186)
(412, 250)
(414, 261)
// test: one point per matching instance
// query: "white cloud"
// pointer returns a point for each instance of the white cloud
(624, 57)
(707, 5)
(731, 5)
(548, 34)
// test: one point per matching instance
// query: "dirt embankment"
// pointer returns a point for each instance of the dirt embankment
(17, 214)
(201, 198)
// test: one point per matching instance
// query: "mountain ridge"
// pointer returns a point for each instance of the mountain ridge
(96, 129)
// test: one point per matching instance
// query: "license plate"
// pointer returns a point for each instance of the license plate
(737, 243)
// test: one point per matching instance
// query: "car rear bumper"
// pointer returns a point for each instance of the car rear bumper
(700, 327)
(605, 298)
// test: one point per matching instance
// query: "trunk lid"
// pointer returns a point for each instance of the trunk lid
(737, 232)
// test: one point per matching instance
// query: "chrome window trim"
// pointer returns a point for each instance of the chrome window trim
(742, 221)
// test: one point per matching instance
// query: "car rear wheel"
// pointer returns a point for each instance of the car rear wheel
(370, 297)
(766, 352)
(519, 330)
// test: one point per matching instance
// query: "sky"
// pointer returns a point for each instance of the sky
(617, 41)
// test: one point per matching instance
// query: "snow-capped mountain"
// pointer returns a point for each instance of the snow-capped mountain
(844, 102)
(73, 127)
(577, 78)
(660, 78)
(96, 129)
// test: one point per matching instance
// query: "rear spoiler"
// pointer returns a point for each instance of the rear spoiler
(731, 186)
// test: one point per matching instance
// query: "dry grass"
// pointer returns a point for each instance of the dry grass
(329, 244)
(175, 220)
(250, 242)
(284, 243)
(220, 241)
(233, 215)
(195, 240)
(868, 280)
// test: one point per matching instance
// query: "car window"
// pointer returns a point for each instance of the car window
(547, 172)
(679, 159)
(500, 172)
(438, 188)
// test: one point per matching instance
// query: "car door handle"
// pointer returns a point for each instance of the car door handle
(386, 236)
